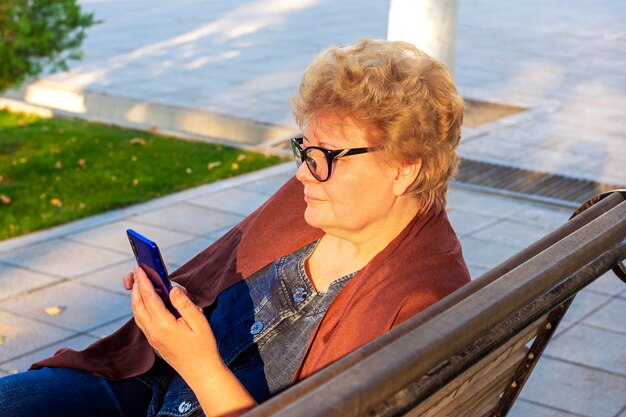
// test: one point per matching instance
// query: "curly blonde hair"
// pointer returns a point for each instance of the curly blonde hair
(407, 97)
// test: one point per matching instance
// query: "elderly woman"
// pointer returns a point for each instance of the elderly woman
(357, 243)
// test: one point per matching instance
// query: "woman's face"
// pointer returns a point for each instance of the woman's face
(359, 194)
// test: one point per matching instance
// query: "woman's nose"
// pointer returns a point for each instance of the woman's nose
(303, 174)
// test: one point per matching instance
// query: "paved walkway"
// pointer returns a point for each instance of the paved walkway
(227, 68)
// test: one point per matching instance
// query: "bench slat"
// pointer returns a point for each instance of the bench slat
(485, 395)
(460, 384)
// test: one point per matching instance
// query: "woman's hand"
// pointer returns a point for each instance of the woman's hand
(183, 343)
(187, 344)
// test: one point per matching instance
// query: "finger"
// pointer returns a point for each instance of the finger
(150, 299)
(128, 280)
(176, 284)
(139, 309)
(187, 309)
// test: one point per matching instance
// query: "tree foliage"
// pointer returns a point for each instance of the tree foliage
(37, 35)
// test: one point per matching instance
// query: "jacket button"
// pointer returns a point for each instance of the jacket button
(299, 294)
(184, 407)
(256, 327)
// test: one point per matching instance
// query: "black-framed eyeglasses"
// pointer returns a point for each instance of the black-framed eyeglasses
(320, 160)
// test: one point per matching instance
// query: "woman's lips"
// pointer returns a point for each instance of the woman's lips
(310, 199)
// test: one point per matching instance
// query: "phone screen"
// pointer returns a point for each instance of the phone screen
(149, 258)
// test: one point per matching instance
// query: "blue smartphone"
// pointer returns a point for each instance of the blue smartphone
(149, 258)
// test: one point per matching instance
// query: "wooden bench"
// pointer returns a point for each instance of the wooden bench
(471, 353)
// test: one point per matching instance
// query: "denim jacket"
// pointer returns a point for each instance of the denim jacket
(262, 327)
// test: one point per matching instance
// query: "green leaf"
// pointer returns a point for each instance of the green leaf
(38, 34)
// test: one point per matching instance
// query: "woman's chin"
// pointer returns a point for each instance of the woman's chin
(314, 218)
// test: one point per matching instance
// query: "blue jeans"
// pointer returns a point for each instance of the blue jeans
(69, 392)
(66, 392)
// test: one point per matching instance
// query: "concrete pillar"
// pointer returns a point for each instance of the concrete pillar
(428, 24)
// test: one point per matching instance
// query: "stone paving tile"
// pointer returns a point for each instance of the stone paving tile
(476, 271)
(547, 218)
(14, 281)
(62, 258)
(82, 307)
(510, 233)
(593, 347)
(110, 277)
(484, 253)
(523, 408)
(113, 235)
(23, 362)
(234, 200)
(575, 389)
(585, 303)
(189, 219)
(612, 316)
(109, 328)
(608, 284)
(491, 147)
(21, 335)
(270, 185)
(484, 204)
(466, 222)
(557, 162)
(180, 254)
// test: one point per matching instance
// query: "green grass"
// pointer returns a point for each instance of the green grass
(53, 171)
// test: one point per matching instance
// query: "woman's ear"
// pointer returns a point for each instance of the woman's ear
(406, 175)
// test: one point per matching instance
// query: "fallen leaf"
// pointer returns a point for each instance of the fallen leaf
(138, 141)
(234, 166)
(188, 170)
(5, 199)
(53, 311)
(81, 206)
(58, 165)
(82, 163)
(23, 160)
(56, 202)
(1, 178)
(135, 181)
(133, 158)
(214, 164)
(241, 157)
